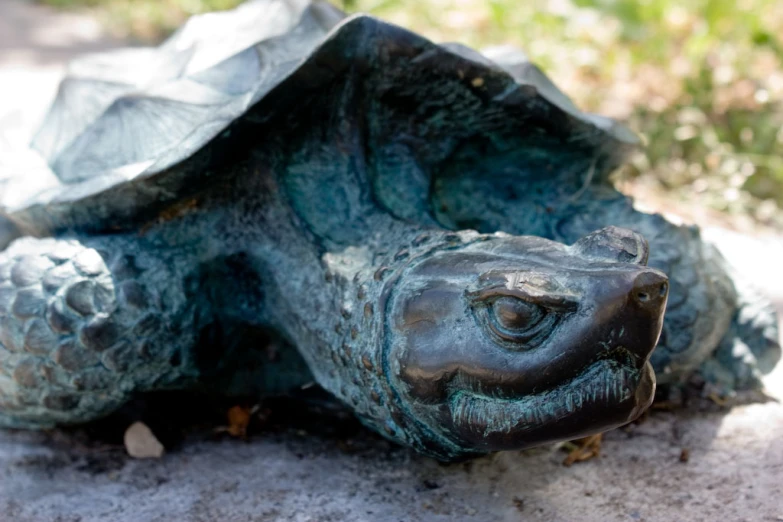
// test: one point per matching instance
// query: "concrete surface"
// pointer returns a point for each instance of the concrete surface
(734, 469)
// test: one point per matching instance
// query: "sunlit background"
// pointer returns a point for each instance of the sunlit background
(701, 80)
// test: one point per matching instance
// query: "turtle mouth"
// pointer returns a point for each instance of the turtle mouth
(605, 395)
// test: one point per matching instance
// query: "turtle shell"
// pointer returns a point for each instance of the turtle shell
(128, 130)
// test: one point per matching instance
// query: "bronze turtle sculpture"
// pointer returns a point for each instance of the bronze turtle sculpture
(363, 208)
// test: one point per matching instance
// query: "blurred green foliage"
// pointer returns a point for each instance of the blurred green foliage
(701, 80)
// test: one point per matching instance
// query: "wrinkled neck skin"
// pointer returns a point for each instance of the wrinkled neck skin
(332, 309)
(314, 277)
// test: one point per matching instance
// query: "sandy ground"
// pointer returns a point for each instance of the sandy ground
(734, 469)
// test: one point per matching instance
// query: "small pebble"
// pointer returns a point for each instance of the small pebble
(141, 443)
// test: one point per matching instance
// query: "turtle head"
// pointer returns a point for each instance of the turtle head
(512, 342)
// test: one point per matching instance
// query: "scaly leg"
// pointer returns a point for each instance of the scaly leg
(84, 324)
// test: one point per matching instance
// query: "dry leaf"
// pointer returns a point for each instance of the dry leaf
(141, 443)
(584, 449)
(238, 421)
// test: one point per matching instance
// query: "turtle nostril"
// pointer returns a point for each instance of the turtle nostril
(650, 289)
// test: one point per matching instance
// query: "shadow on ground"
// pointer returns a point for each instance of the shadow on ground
(318, 465)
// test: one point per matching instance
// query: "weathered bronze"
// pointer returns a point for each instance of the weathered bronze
(327, 198)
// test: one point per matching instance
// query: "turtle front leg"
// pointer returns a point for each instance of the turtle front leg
(84, 324)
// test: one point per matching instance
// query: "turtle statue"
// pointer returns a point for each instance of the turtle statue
(281, 194)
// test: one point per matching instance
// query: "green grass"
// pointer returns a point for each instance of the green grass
(702, 80)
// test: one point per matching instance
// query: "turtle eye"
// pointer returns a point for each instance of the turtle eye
(518, 321)
(515, 315)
